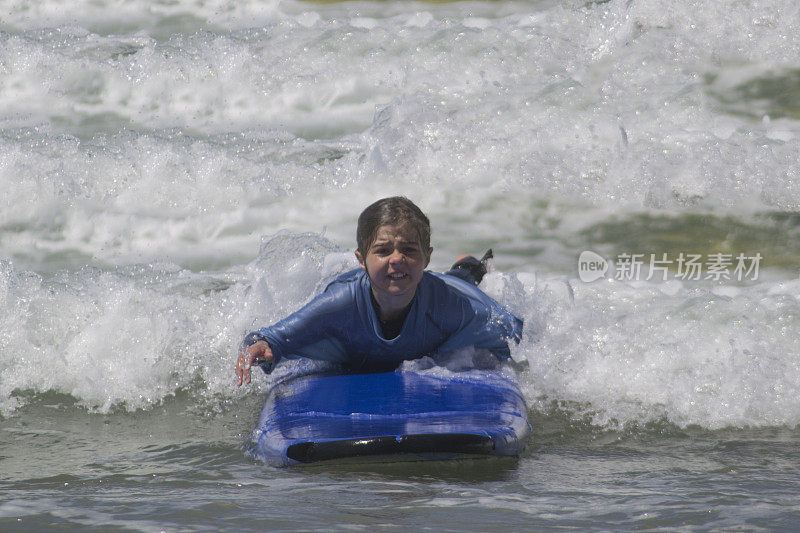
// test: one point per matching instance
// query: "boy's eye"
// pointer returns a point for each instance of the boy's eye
(388, 250)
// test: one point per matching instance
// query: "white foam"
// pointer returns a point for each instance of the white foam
(545, 108)
(633, 354)
(115, 339)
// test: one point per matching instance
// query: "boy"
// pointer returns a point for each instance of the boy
(391, 309)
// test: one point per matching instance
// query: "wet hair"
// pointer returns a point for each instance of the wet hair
(393, 211)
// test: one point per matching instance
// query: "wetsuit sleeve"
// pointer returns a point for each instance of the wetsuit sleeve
(311, 331)
(482, 323)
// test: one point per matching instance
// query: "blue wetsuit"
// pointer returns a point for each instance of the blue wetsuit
(341, 325)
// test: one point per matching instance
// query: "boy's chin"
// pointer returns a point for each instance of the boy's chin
(401, 287)
(398, 289)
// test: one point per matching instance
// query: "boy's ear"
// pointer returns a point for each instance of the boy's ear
(428, 257)
(361, 260)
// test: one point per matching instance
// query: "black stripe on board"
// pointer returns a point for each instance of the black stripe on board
(309, 452)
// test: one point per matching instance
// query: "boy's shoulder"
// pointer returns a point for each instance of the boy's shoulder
(454, 287)
(451, 282)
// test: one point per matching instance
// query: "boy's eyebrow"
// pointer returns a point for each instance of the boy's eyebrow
(381, 242)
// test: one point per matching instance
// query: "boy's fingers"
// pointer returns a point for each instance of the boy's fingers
(248, 362)
(241, 371)
(246, 359)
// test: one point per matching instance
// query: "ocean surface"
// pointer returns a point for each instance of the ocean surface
(175, 173)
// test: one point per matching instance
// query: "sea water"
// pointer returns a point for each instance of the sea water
(176, 173)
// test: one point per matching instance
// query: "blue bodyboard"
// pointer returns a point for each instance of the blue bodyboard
(391, 416)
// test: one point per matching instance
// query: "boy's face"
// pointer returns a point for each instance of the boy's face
(395, 262)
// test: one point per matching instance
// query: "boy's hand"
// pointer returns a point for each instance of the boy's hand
(255, 353)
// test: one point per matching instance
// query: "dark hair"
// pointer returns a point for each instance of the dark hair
(394, 211)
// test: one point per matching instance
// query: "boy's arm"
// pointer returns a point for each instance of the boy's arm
(308, 332)
(491, 328)
(481, 322)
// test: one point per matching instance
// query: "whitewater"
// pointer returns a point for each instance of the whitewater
(174, 174)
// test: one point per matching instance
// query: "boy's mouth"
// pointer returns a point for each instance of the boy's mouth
(397, 275)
